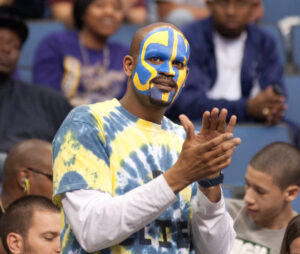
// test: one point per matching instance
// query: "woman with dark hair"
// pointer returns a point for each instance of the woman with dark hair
(82, 63)
(291, 239)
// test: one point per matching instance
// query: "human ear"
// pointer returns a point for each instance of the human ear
(128, 65)
(15, 243)
(291, 193)
(22, 180)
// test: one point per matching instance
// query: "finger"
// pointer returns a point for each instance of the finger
(214, 119)
(215, 142)
(231, 124)
(188, 126)
(221, 158)
(222, 120)
(206, 120)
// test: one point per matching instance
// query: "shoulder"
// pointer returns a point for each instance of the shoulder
(198, 28)
(118, 48)
(234, 206)
(170, 126)
(61, 38)
(260, 36)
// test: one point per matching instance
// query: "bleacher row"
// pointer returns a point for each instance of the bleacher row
(254, 136)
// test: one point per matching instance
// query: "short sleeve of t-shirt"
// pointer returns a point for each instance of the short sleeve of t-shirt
(80, 159)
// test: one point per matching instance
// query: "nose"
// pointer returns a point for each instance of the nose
(167, 69)
(231, 9)
(109, 10)
(6, 48)
(249, 197)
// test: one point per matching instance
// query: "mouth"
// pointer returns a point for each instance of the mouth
(166, 86)
(251, 211)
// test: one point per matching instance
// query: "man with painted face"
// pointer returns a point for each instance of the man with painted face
(234, 64)
(126, 176)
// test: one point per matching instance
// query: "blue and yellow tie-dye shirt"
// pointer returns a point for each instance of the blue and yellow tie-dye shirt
(104, 147)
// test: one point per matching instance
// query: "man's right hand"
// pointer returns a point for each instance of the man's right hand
(200, 158)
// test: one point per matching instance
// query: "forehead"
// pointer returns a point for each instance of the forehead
(45, 220)
(259, 178)
(6, 32)
(163, 37)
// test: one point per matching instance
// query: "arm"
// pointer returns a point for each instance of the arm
(47, 68)
(193, 101)
(271, 73)
(211, 225)
(99, 220)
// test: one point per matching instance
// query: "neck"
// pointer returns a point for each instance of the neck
(9, 194)
(91, 40)
(281, 220)
(143, 110)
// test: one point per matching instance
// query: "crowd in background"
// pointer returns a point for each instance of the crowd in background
(234, 64)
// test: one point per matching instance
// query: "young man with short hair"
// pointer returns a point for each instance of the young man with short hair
(272, 183)
(31, 225)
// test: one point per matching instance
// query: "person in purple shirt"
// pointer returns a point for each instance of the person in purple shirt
(82, 63)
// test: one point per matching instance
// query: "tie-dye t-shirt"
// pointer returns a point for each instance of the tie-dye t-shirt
(104, 147)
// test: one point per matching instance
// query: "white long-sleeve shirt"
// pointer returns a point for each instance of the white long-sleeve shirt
(99, 220)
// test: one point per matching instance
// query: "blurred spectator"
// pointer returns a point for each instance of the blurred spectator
(258, 11)
(27, 170)
(29, 9)
(83, 64)
(234, 65)
(181, 12)
(272, 184)
(291, 240)
(31, 225)
(134, 11)
(62, 10)
(26, 111)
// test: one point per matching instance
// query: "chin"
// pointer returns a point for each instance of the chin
(159, 103)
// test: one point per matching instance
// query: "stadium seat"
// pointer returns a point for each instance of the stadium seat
(293, 92)
(254, 137)
(37, 31)
(278, 9)
(296, 45)
(125, 34)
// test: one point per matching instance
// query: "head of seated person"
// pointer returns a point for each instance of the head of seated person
(97, 20)
(291, 240)
(272, 184)
(13, 33)
(230, 17)
(31, 225)
(27, 170)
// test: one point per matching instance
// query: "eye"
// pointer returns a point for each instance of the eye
(178, 64)
(155, 60)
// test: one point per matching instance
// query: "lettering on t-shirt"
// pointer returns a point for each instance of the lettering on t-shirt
(165, 226)
(242, 246)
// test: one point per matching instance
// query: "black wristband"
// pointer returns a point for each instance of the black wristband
(211, 182)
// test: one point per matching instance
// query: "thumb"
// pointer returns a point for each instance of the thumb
(188, 126)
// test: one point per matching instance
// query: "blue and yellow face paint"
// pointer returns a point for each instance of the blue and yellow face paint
(172, 50)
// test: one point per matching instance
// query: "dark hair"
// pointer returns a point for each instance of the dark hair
(291, 233)
(79, 9)
(18, 216)
(281, 161)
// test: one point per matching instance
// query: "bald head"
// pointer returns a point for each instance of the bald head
(141, 33)
(27, 153)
